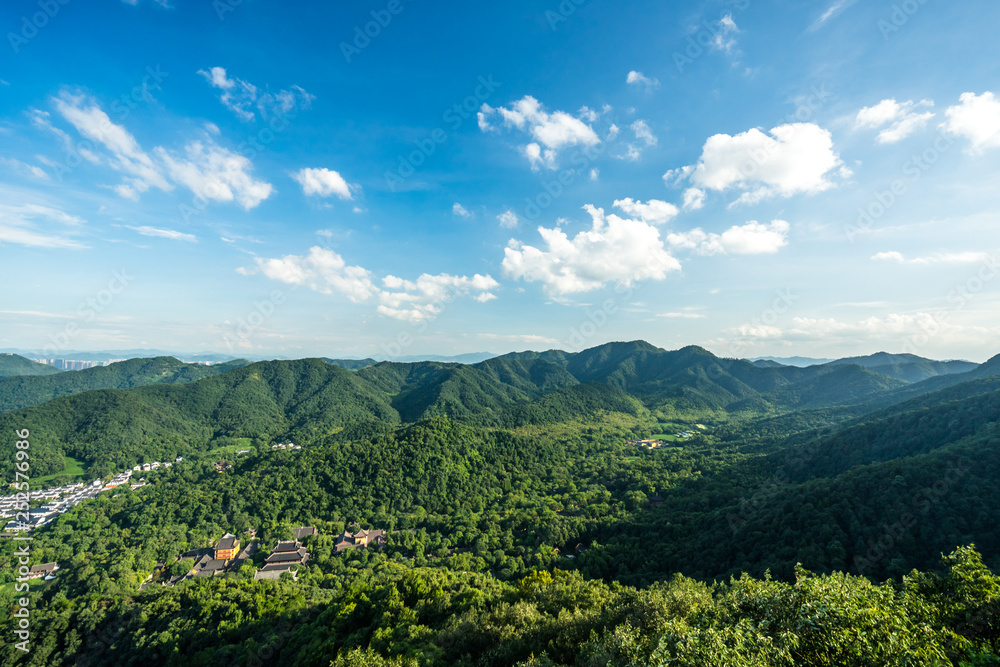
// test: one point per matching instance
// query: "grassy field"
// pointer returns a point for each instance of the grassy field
(74, 468)
(668, 437)
(230, 450)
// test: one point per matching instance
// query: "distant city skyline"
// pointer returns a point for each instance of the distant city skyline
(758, 178)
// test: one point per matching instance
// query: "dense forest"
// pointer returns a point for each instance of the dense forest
(830, 515)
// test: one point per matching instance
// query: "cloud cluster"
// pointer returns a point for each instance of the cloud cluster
(897, 120)
(613, 250)
(210, 171)
(753, 238)
(654, 211)
(550, 132)
(326, 272)
(242, 97)
(796, 158)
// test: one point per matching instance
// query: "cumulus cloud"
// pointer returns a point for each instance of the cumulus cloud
(937, 258)
(461, 211)
(694, 199)
(321, 270)
(639, 79)
(977, 119)
(508, 219)
(753, 238)
(323, 183)
(613, 250)
(424, 298)
(898, 120)
(242, 97)
(550, 132)
(654, 211)
(216, 174)
(795, 159)
(327, 272)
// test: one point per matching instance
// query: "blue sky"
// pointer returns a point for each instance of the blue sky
(757, 177)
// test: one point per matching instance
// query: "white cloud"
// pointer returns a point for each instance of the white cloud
(642, 132)
(424, 299)
(614, 250)
(977, 118)
(241, 97)
(836, 8)
(207, 169)
(654, 211)
(461, 211)
(164, 233)
(162, 3)
(483, 117)
(530, 339)
(937, 258)
(683, 316)
(321, 270)
(327, 272)
(639, 79)
(23, 167)
(722, 39)
(550, 132)
(891, 332)
(30, 225)
(508, 219)
(595, 174)
(694, 199)
(795, 159)
(753, 238)
(91, 122)
(323, 183)
(216, 173)
(900, 117)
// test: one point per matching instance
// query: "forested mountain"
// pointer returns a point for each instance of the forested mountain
(174, 408)
(20, 392)
(12, 365)
(908, 367)
(524, 528)
(351, 364)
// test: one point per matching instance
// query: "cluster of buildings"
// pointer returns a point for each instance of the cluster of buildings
(224, 556)
(359, 540)
(286, 445)
(61, 499)
(652, 444)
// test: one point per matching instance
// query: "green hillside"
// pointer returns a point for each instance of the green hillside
(20, 392)
(525, 525)
(12, 365)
